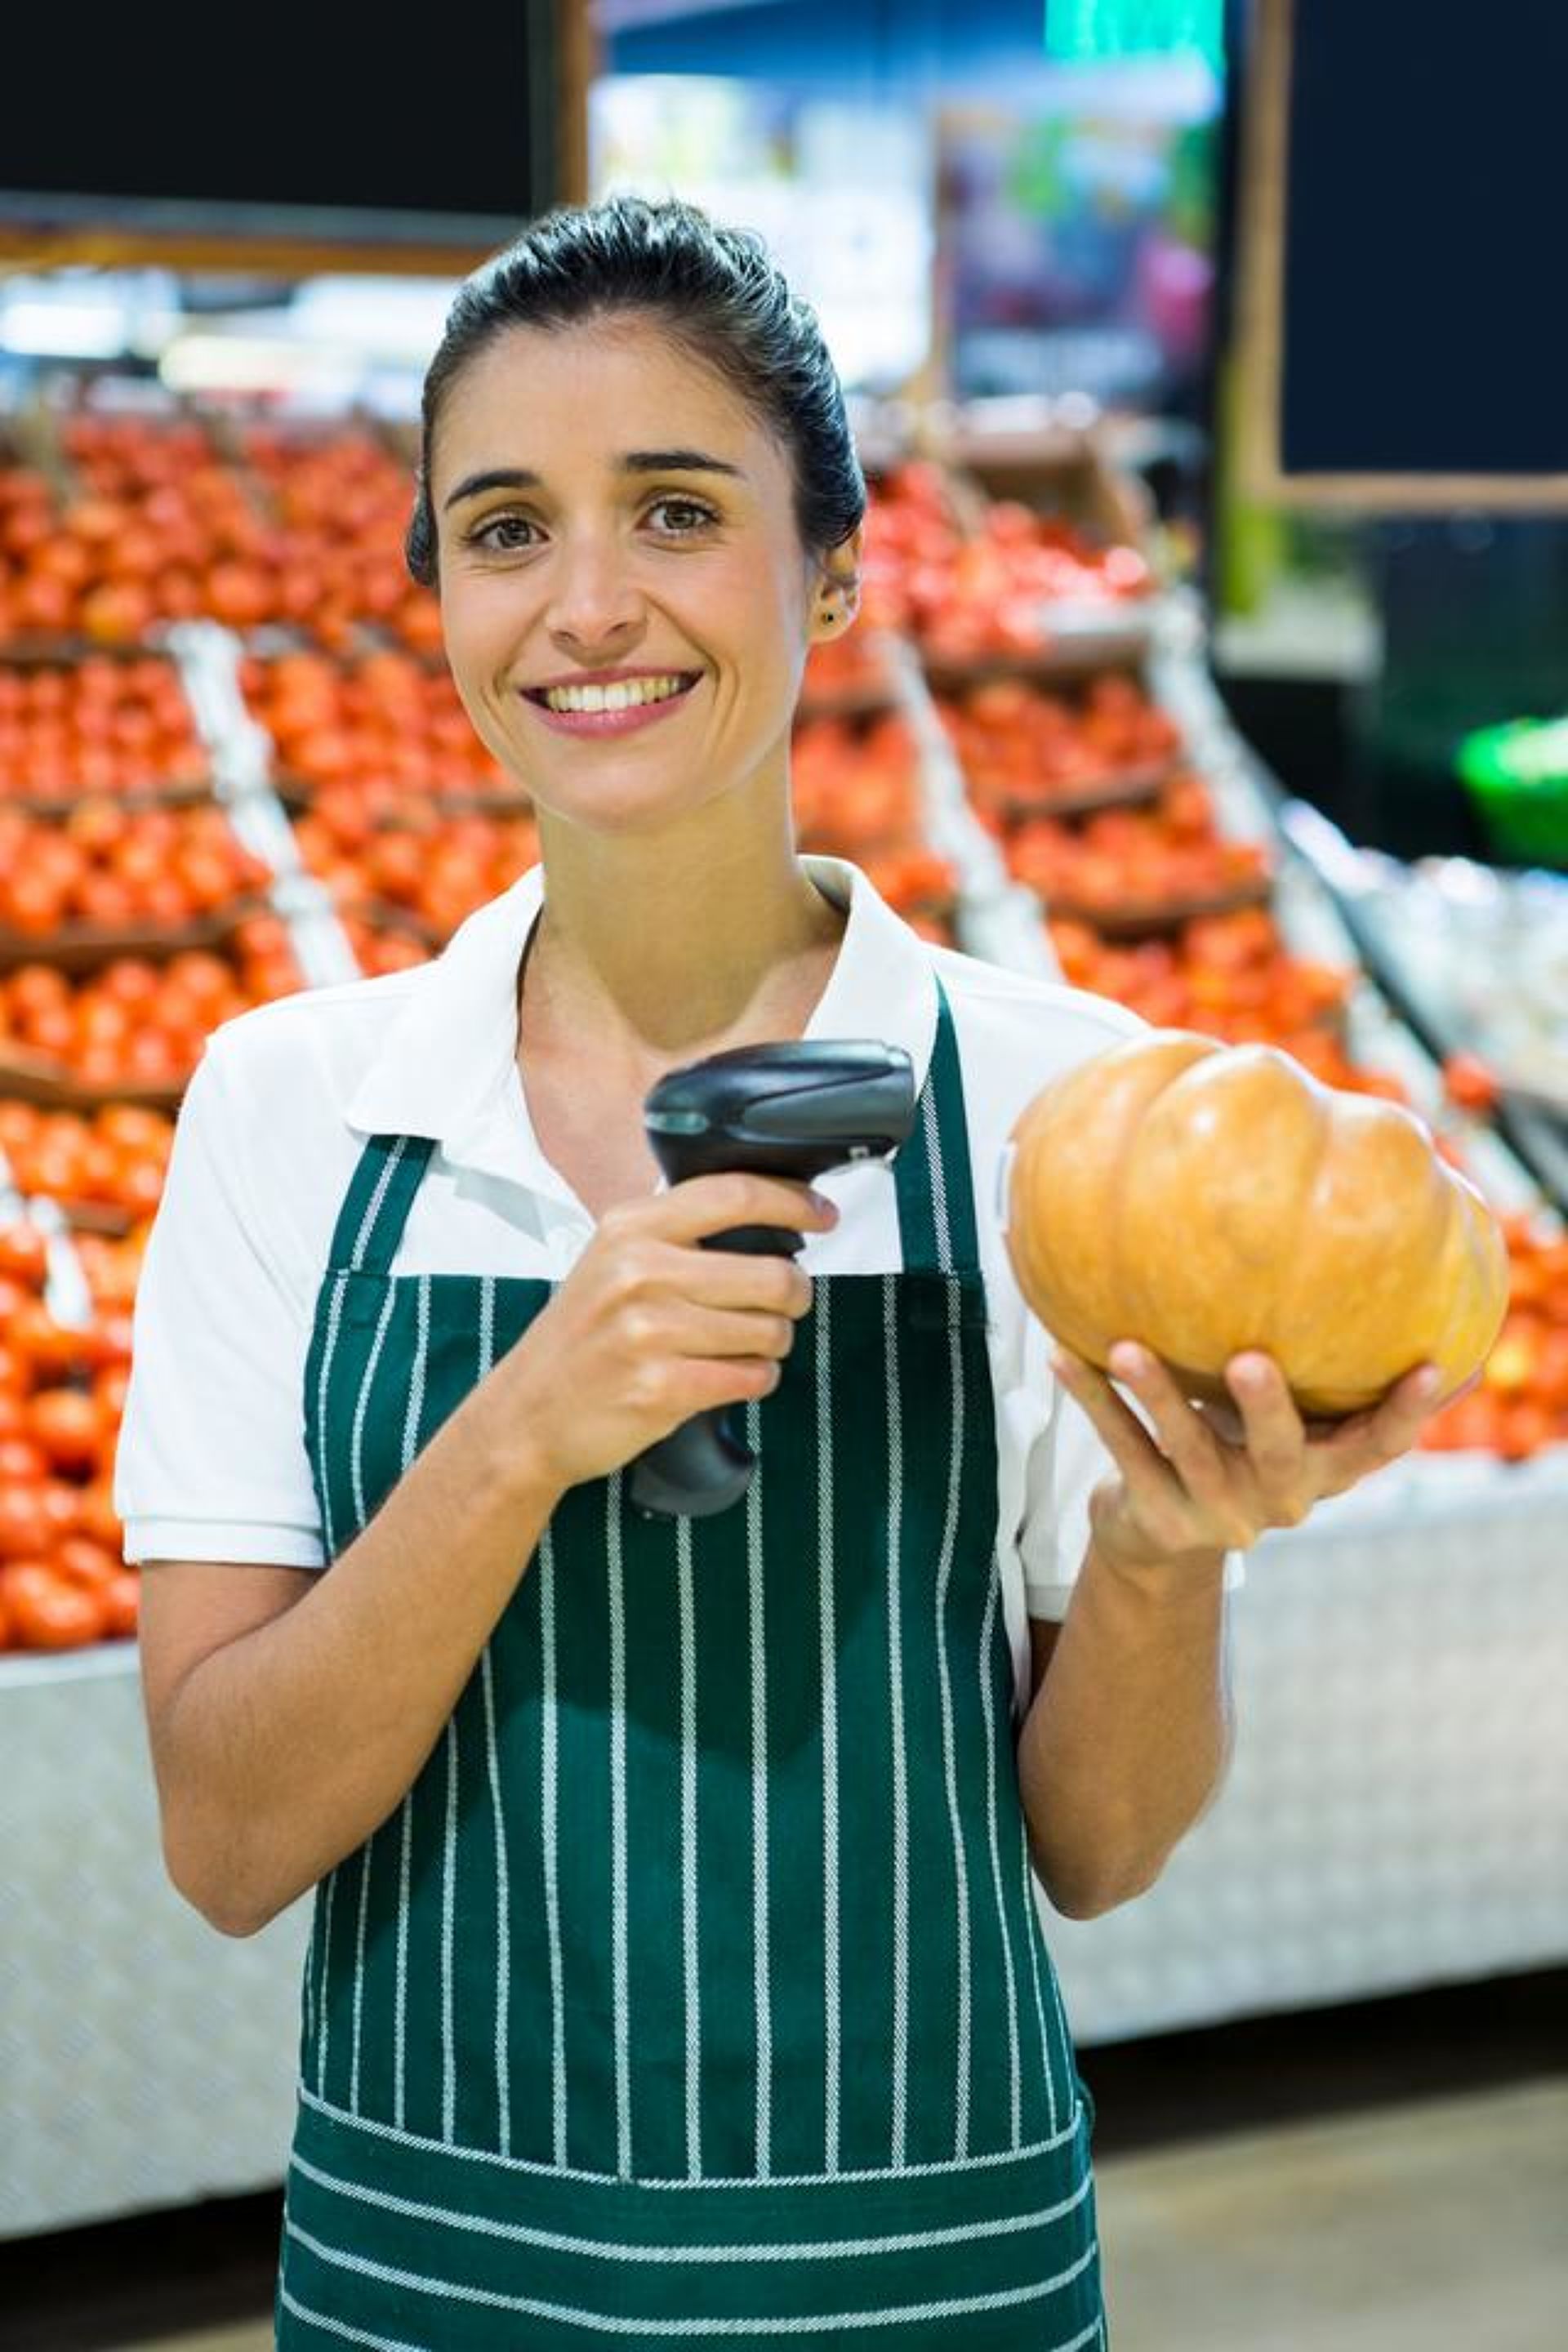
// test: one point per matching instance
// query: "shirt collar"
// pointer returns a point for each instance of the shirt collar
(448, 1066)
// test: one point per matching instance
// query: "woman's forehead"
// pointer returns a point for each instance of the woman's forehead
(590, 384)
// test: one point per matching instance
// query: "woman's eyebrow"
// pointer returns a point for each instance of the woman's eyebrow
(676, 461)
(498, 478)
(636, 461)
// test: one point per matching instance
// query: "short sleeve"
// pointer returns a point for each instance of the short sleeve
(211, 1462)
(1065, 1462)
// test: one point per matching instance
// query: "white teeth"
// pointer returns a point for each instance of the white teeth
(626, 694)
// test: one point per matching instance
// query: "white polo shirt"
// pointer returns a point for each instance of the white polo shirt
(211, 1461)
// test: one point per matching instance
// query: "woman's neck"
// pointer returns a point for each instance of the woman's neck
(662, 952)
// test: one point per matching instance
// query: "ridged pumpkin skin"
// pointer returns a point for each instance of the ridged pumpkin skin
(1204, 1199)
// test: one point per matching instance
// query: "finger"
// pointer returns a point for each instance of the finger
(703, 1205)
(1369, 1441)
(1125, 1439)
(694, 1330)
(771, 1286)
(1180, 1433)
(1272, 1428)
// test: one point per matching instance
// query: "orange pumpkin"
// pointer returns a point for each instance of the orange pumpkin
(1204, 1199)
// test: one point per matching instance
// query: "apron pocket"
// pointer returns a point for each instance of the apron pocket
(420, 2246)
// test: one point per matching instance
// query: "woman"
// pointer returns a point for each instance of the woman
(675, 1971)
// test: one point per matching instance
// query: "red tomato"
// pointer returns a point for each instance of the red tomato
(87, 1563)
(22, 1463)
(24, 1528)
(121, 1598)
(59, 1503)
(1469, 1082)
(24, 1255)
(48, 1346)
(96, 1517)
(48, 1612)
(69, 1426)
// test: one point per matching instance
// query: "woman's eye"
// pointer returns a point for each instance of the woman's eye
(503, 534)
(681, 517)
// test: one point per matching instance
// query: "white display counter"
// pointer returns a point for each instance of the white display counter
(1396, 1811)
(144, 2059)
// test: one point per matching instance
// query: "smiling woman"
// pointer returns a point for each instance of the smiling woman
(676, 1971)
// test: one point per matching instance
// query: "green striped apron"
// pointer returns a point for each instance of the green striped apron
(696, 1989)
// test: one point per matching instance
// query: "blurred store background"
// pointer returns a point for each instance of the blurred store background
(1205, 365)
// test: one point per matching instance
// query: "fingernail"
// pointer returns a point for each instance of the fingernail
(820, 1202)
(1126, 1360)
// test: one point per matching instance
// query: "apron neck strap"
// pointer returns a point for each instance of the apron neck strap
(931, 1172)
(376, 1204)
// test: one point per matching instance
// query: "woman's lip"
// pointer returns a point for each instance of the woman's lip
(610, 722)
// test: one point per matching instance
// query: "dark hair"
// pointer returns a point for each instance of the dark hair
(713, 289)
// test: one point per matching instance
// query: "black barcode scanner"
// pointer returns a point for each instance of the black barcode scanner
(791, 1110)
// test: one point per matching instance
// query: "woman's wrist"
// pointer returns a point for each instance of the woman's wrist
(518, 1463)
(1164, 1577)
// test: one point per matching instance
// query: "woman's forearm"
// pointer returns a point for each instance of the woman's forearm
(1130, 1732)
(282, 1750)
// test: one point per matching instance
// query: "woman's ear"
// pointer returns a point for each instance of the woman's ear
(837, 597)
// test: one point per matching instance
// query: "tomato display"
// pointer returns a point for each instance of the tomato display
(341, 503)
(1024, 749)
(1137, 868)
(104, 728)
(967, 590)
(859, 794)
(305, 531)
(386, 725)
(436, 868)
(112, 1161)
(63, 1580)
(1522, 1402)
(139, 1024)
(108, 866)
(851, 667)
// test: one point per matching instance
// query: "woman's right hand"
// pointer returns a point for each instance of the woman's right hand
(649, 1327)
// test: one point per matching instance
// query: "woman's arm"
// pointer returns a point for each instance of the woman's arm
(1129, 1729)
(288, 1714)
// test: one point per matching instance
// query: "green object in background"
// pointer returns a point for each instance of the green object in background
(1252, 548)
(1517, 777)
(1078, 31)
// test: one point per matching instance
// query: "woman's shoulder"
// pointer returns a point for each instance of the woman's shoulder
(292, 1065)
(1036, 1023)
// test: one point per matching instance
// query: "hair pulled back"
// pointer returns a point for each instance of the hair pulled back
(713, 289)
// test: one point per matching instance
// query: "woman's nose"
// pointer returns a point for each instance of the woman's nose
(593, 598)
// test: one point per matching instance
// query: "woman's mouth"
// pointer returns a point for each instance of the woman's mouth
(616, 707)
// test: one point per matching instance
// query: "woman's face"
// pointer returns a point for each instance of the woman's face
(626, 599)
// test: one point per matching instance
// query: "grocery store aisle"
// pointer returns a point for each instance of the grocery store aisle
(1424, 2227)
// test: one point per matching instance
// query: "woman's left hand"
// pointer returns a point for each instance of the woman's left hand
(1207, 1480)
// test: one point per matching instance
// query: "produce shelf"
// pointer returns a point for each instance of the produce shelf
(88, 947)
